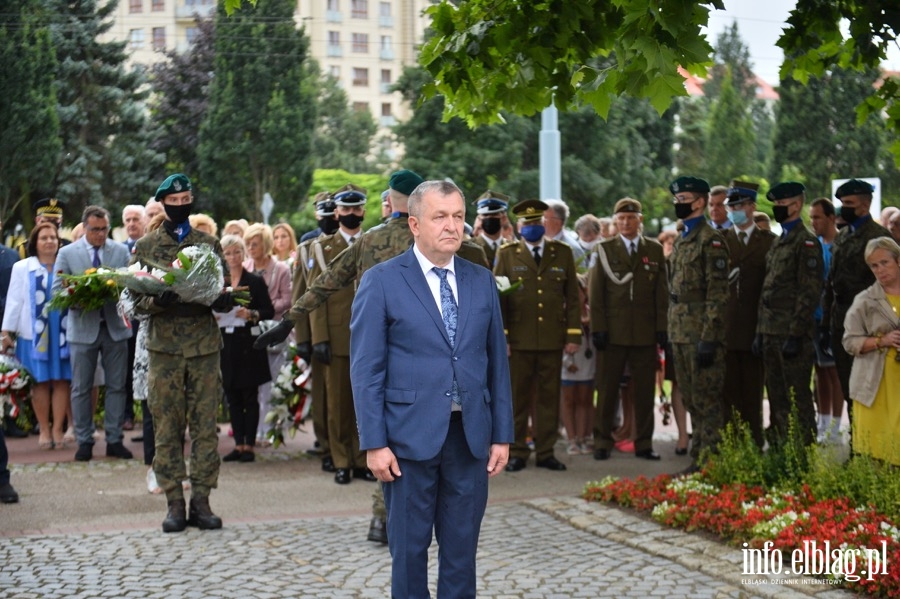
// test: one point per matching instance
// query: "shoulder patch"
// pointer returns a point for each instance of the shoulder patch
(812, 263)
(810, 243)
(715, 243)
(719, 264)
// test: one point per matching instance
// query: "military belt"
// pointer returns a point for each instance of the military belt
(188, 310)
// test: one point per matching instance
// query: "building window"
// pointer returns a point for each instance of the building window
(361, 43)
(386, 81)
(360, 107)
(335, 71)
(359, 9)
(387, 116)
(135, 6)
(385, 19)
(158, 5)
(386, 109)
(387, 50)
(333, 12)
(136, 39)
(360, 77)
(191, 34)
(159, 39)
(334, 44)
(334, 6)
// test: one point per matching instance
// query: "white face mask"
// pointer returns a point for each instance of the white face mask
(589, 245)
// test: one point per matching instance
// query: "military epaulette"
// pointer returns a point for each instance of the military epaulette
(574, 332)
(507, 242)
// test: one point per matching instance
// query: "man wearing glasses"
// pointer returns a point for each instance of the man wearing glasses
(698, 294)
(99, 333)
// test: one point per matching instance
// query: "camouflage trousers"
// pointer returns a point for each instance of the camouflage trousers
(378, 508)
(786, 378)
(702, 392)
(185, 394)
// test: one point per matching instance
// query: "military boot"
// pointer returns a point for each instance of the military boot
(175, 520)
(201, 515)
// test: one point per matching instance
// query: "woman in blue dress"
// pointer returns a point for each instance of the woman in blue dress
(40, 335)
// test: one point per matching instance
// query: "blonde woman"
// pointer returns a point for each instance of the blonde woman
(285, 244)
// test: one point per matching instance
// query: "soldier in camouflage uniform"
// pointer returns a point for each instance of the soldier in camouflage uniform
(183, 340)
(491, 207)
(849, 273)
(698, 293)
(305, 260)
(786, 324)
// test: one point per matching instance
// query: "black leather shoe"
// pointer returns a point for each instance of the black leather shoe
(84, 453)
(117, 450)
(681, 451)
(601, 454)
(9, 495)
(647, 454)
(175, 520)
(247, 456)
(515, 464)
(233, 456)
(377, 531)
(342, 476)
(201, 515)
(365, 474)
(551, 463)
(328, 464)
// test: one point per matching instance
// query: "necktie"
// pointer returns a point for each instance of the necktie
(743, 237)
(632, 248)
(449, 314)
(96, 261)
(719, 227)
(537, 255)
(351, 240)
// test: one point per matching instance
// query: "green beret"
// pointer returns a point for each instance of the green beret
(691, 184)
(788, 189)
(173, 184)
(530, 211)
(405, 181)
(627, 205)
(854, 187)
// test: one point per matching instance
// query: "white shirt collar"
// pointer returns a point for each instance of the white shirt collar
(426, 265)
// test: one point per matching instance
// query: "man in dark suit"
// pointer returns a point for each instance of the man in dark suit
(747, 248)
(432, 394)
(629, 298)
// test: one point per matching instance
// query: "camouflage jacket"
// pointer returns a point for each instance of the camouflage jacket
(698, 288)
(793, 285)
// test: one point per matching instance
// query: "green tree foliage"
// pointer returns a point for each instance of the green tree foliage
(343, 136)
(29, 127)
(106, 156)
(729, 137)
(258, 131)
(181, 97)
(819, 137)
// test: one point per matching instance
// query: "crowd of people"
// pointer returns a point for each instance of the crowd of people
(598, 315)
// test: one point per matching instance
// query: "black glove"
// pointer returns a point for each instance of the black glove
(662, 339)
(757, 347)
(706, 353)
(275, 335)
(600, 340)
(166, 298)
(791, 347)
(824, 338)
(304, 350)
(223, 303)
(322, 352)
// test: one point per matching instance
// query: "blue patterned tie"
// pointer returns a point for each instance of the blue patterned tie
(96, 261)
(449, 314)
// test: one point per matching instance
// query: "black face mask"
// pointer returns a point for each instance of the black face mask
(780, 213)
(328, 225)
(491, 226)
(848, 213)
(178, 214)
(683, 209)
(351, 221)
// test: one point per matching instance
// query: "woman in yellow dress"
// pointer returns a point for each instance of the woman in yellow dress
(872, 337)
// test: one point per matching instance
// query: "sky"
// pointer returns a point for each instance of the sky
(759, 24)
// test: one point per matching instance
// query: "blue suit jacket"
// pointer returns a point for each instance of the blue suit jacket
(84, 327)
(402, 364)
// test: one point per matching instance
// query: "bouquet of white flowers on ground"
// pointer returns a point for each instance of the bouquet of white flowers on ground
(196, 276)
(291, 397)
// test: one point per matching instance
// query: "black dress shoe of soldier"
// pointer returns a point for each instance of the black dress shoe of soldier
(551, 463)
(365, 474)
(175, 520)
(328, 464)
(201, 515)
(342, 476)
(647, 454)
(515, 464)
(377, 531)
(601, 454)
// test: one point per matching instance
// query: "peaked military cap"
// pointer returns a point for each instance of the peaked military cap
(692, 184)
(324, 204)
(491, 202)
(854, 187)
(350, 195)
(405, 181)
(48, 207)
(740, 192)
(627, 205)
(783, 191)
(176, 183)
(530, 211)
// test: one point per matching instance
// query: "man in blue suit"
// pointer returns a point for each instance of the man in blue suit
(99, 333)
(432, 394)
